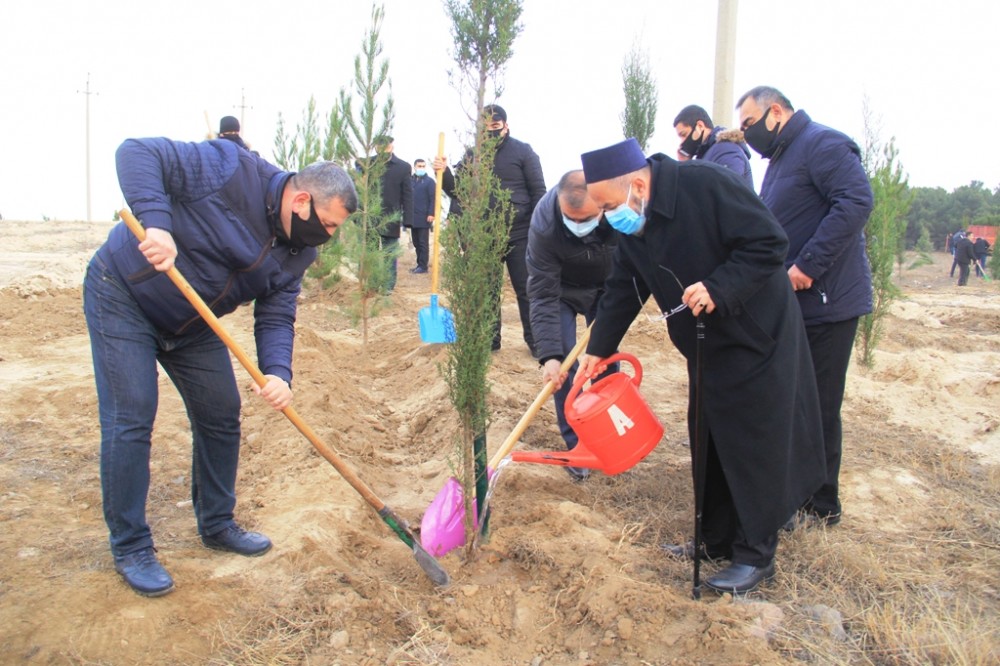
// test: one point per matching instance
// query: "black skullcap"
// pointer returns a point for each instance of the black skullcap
(613, 161)
(228, 124)
(496, 112)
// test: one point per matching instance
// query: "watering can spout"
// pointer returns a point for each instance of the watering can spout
(578, 457)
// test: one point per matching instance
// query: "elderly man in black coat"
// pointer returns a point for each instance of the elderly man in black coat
(703, 245)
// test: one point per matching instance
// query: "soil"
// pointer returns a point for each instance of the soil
(572, 572)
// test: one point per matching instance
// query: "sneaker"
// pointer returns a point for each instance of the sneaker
(235, 539)
(144, 573)
(418, 269)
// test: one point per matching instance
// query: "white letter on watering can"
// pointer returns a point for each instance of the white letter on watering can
(622, 422)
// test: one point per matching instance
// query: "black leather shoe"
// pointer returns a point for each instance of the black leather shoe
(805, 519)
(418, 270)
(685, 551)
(578, 474)
(740, 578)
(144, 573)
(235, 539)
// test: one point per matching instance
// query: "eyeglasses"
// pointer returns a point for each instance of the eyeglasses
(663, 316)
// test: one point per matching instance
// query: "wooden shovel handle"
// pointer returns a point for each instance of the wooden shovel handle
(438, 187)
(546, 392)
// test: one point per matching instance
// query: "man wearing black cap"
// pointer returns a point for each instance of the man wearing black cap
(520, 172)
(229, 128)
(700, 242)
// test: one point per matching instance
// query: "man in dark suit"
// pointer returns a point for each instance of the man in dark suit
(397, 203)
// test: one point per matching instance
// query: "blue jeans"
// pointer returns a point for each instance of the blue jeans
(567, 322)
(126, 349)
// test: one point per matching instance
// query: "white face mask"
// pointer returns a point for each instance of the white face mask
(581, 229)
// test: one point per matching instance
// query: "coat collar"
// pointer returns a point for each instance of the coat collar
(663, 183)
(793, 128)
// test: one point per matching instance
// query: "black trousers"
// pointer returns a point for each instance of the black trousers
(831, 346)
(517, 268)
(963, 274)
(721, 529)
(420, 237)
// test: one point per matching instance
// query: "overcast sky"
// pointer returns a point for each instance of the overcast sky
(928, 69)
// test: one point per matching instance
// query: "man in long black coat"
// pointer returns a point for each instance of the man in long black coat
(694, 234)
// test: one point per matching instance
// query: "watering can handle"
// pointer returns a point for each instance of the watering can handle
(614, 358)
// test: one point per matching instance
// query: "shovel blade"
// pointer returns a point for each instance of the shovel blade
(436, 323)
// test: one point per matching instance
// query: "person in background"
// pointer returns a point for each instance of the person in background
(520, 172)
(570, 246)
(981, 248)
(965, 253)
(954, 239)
(423, 213)
(704, 246)
(818, 190)
(702, 140)
(397, 197)
(229, 129)
(240, 230)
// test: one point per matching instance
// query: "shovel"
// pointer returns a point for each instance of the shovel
(442, 527)
(398, 525)
(436, 322)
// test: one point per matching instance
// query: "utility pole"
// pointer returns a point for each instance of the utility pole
(242, 107)
(725, 63)
(86, 95)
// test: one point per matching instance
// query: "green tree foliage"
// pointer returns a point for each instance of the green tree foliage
(884, 233)
(641, 95)
(354, 133)
(942, 213)
(348, 135)
(475, 241)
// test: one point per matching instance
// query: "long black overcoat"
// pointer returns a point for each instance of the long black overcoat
(759, 396)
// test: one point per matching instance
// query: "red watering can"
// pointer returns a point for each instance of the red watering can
(615, 426)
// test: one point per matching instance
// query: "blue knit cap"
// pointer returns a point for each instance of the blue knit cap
(613, 161)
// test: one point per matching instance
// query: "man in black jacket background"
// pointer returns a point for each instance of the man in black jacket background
(423, 213)
(520, 172)
(397, 196)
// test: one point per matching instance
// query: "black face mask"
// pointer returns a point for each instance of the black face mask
(307, 233)
(494, 134)
(760, 138)
(690, 145)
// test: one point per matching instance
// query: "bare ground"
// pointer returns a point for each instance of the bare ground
(572, 573)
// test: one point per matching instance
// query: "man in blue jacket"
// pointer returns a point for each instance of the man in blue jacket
(817, 187)
(239, 230)
(701, 140)
(570, 249)
(424, 188)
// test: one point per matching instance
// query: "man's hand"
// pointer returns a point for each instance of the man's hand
(440, 164)
(159, 249)
(799, 279)
(591, 366)
(697, 299)
(276, 392)
(551, 372)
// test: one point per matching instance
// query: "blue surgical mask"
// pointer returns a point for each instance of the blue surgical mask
(625, 220)
(421, 172)
(581, 229)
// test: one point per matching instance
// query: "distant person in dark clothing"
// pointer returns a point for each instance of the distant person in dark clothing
(965, 254)
(817, 187)
(701, 140)
(570, 249)
(981, 248)
(955, 238)
(229, 128)
(520, 172)
(397, 196)
(423, 213)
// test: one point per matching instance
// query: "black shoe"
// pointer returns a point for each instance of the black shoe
(578, 474)
(495, 346)
(144, 573)
(418, 269)
(740, 578)
(235, 539)
(685, 551)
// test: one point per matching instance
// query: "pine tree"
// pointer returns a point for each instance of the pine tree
(641, 94)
